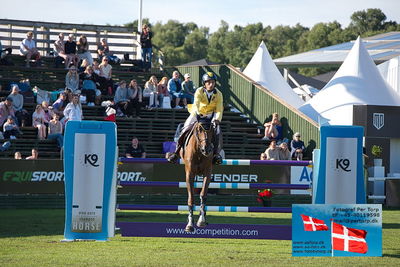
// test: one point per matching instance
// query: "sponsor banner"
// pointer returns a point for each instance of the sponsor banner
(301, 175)
(232, 231)
(326, 230)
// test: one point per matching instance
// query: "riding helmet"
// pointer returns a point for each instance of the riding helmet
(209, 76)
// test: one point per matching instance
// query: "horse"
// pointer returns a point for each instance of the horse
(198, 156)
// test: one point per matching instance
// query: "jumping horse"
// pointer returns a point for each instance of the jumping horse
(198, 156)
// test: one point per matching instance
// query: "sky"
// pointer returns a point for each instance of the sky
(207, 13)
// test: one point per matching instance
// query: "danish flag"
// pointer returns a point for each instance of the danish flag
(312, 224)
(348, 239)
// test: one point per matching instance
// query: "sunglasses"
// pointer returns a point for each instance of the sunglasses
(297, 135)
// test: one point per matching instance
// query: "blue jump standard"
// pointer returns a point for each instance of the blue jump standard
(242, 162)
(217, 185)
(208, 208)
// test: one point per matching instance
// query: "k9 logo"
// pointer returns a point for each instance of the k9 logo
(343, 164)
(91, 159)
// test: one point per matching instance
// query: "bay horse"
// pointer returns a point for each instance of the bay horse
(198, 156)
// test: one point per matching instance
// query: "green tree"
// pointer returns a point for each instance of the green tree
(372, 19)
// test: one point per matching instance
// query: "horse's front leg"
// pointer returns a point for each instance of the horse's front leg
(190, 190)
(201, 222)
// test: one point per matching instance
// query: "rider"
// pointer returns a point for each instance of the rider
(208, 102)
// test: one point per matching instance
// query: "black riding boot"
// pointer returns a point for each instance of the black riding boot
(173, 157)
(217, 159)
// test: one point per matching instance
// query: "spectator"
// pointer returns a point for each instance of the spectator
(263, 156)
(136, 97)
(10, 129)
(89, 87)
(162, 90)
(83, 49)
(28, 49)
(72, 79)
(82, 67)
(59, 48)
(273, 129)
(96, 68)
(73, 111)
(297, 147)
(48, 113)
(70, 51)
(150, 92)
(56, 130)
(122, 99)
(145, 42)
(39, 121)
(34, 155)
(18, 104)
(272, 151)
(59, 105)
(135, 150)
(103, 50)
(188, 88)
(17, 155)
(4, 60)
(284, 153)
(6, 110)
(175, 89)
(106, 72)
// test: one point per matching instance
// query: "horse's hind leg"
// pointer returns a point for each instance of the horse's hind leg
(190, 189)
(201, 222)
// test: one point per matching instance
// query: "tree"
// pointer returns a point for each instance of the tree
(373, 19)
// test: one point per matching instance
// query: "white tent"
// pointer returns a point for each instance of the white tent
(357, 82)
(263, 70)
(390, 71)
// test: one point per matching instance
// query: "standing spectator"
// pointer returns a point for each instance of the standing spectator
(59, 49)
(272, 151)
(34, 155)
(106, 73)
(273, 129)
(135, 150)
(89, 87)
(103, 50)
(136, 97)
(145, 42)
(39, 121)
(6, 110)
(83, 49)
(162, 90)
(122, 99)
(73, 111)
(28, 49)
(284, 153)
(56, 130)
(18, 104)
(188, 88)
(150, 92)
(72, 79)
(17, 155)
(297, 147)
(70, 51)
(10, 129)
(59, 105)
(175, 89)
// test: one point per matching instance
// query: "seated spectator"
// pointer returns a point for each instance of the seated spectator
(59, 49)
(88, 80)
(28, 49)
(73, 111)
(10, 129)
(60, 104)
(70, 51)
(273, 129)
(83, 66)
(34, 155)
(56, 131)
(18, 104)
(284, 152)
(72, 79)
(162, 90)
(150, 93)
(297, 147)
(136, 97)
(188, 88)
(107, 84)
(135, 150)
(4, 53)
(96, 68)
(6, 110)
(17, 155)
(39, 121)
(48, 113)
(175, 89)
(83, 49)
(122, 99)
(103, 50)
(263, 156)
(272, 151)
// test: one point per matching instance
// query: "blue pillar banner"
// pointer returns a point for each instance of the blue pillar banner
(90, 162)
(339, 175)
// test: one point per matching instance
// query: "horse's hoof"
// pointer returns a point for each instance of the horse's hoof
(201, 222)
(189, 228)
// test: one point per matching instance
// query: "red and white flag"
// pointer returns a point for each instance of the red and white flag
(349, 239)
(312, 224)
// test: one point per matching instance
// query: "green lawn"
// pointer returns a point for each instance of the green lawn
(32, 238)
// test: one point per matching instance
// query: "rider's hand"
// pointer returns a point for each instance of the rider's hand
(216, 122)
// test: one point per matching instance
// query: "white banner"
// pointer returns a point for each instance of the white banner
(300, 175)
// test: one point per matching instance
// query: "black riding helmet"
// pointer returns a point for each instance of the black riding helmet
(209, 76)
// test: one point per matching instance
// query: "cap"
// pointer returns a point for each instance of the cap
(187, 75)
(9, 99)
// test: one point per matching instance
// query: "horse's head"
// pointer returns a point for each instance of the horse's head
(205, 134)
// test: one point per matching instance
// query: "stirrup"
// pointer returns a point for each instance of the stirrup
(173, 158)
(217, 159)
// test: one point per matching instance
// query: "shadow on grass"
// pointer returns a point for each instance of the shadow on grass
(391, 225)
(396, 255)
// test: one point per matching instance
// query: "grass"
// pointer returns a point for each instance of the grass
(32, 238)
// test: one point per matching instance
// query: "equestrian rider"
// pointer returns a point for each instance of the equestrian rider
(208, 102)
